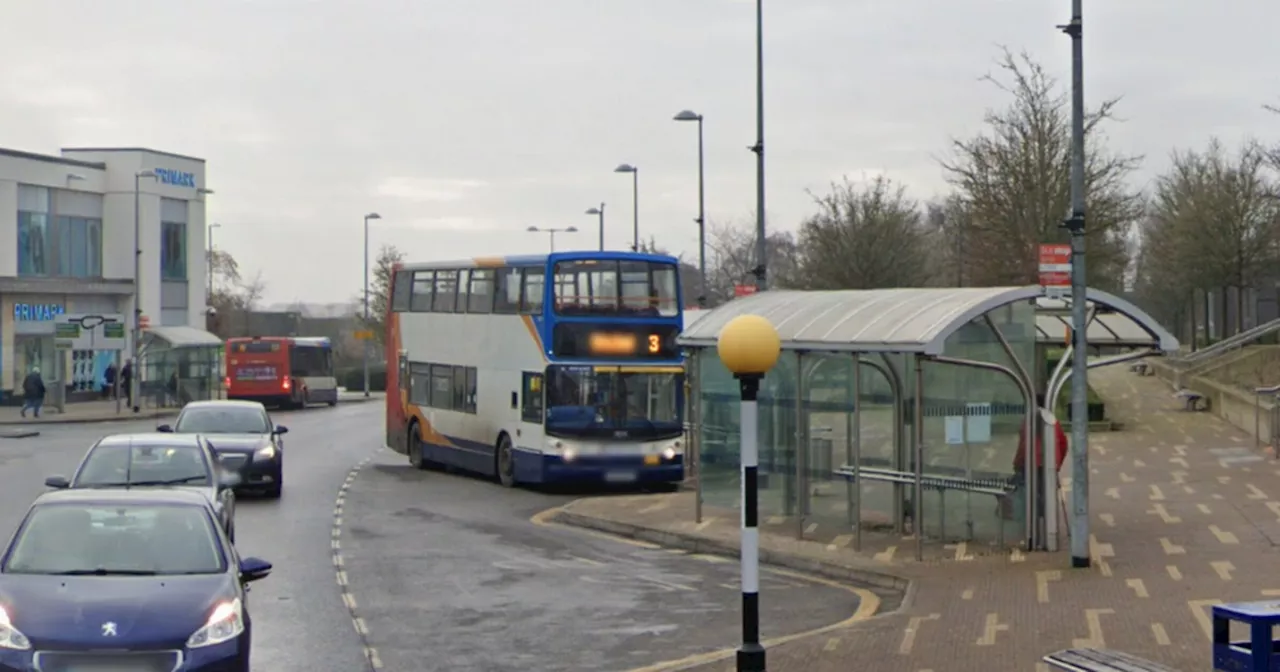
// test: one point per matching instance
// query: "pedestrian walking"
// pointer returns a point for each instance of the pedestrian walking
(32, 392)
(126, 381)
(109, 382)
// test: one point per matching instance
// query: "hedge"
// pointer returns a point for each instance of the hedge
(353, 378)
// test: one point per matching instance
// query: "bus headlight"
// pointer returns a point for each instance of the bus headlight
(669, 453)
(569, 454)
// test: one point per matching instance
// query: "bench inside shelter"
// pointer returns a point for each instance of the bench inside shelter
(940, 479)
(1102, 660)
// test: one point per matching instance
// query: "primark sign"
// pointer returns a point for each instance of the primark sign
(175, 178)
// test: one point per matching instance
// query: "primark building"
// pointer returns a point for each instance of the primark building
(67, 246)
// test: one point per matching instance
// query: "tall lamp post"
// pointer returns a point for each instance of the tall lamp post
(1079, 316)
(552, 232)
(599, 212)
(635, 202)
(749, 346)
(761, 271)
(137, 281)
(367, 344)
(689, 115)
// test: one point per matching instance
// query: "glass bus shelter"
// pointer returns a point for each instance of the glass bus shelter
(893, 406)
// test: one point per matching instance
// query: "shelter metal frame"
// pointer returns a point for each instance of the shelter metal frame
(865, 324)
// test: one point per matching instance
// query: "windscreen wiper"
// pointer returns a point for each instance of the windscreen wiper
(103, 571)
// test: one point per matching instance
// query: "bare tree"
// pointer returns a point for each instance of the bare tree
(1015, 180)
(232, 297)
(379, 292)
(731, 257)
(948, 222)
(1213, 224)
(867, 236)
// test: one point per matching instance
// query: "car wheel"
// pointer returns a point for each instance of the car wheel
(333, 403)
(275, 491)
(506, 462)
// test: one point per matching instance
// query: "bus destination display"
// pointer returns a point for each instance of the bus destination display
(589, 341)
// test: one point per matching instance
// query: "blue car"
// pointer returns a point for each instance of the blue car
(114, 580)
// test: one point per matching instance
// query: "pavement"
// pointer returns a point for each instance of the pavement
(451, 571)
(1185, 514)
(105, 411)
(301, 623)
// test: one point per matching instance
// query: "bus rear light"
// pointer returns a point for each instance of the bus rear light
(285, 384)
(226, 382)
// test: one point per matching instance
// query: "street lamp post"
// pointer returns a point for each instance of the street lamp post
(367, 344)
(749, 346)
(1079, 295)
(552, 232)
(599, 212)
(689, 115)
(761, 270)
(137, 285)
(635, 202)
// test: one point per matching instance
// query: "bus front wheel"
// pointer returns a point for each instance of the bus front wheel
(414, 449)
(506, 462)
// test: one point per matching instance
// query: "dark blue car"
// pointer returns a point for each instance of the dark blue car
(138, 580)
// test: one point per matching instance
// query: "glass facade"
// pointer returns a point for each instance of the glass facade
(971, 421)
(173, 239)
(59, 233)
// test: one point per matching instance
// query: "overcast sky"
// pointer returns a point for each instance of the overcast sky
(465, 121)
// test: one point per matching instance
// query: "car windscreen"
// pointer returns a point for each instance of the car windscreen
(113, 539)
(222, 420)
(121, 464)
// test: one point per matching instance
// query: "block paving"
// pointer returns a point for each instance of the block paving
(1185, 514)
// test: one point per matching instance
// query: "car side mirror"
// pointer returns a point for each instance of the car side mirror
(228, 480)
(280, 429)
(167, 429)
(252, 569)
(59, 482)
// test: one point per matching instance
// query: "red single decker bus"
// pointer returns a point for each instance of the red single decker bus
(287, 372)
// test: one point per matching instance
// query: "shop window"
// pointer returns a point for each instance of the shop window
(34, 243)
(173, 251)
(79, 242)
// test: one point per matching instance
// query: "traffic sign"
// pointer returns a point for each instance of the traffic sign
(364, 335)
(144, 322)
(89, 332)
(1055, 269)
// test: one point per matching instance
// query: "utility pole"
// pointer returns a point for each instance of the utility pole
(1079, 314)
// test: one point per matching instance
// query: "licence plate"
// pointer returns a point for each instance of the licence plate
(651, 460)
(620, 476)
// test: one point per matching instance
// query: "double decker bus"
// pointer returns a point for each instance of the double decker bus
(288, 372)
(539, 369)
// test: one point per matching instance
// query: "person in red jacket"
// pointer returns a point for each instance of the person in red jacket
(1020, 459)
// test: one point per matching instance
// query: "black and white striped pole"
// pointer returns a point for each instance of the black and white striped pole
(749, 346)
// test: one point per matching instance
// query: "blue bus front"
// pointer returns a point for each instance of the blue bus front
(614, 384)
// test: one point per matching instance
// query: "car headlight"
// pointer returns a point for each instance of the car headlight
(266, 452)
(10, 637)
(225, 623)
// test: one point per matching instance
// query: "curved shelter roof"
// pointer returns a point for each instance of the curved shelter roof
(901, 320)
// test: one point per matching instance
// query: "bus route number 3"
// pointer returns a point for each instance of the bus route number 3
(655, 343)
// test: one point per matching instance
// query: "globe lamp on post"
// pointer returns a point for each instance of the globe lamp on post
(749, 347)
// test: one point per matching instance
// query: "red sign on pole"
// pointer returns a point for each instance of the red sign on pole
(1055, 267)
(743, 290)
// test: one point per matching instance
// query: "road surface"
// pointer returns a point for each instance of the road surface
(447, 571)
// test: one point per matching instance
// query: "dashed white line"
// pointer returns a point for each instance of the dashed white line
(340, 572)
